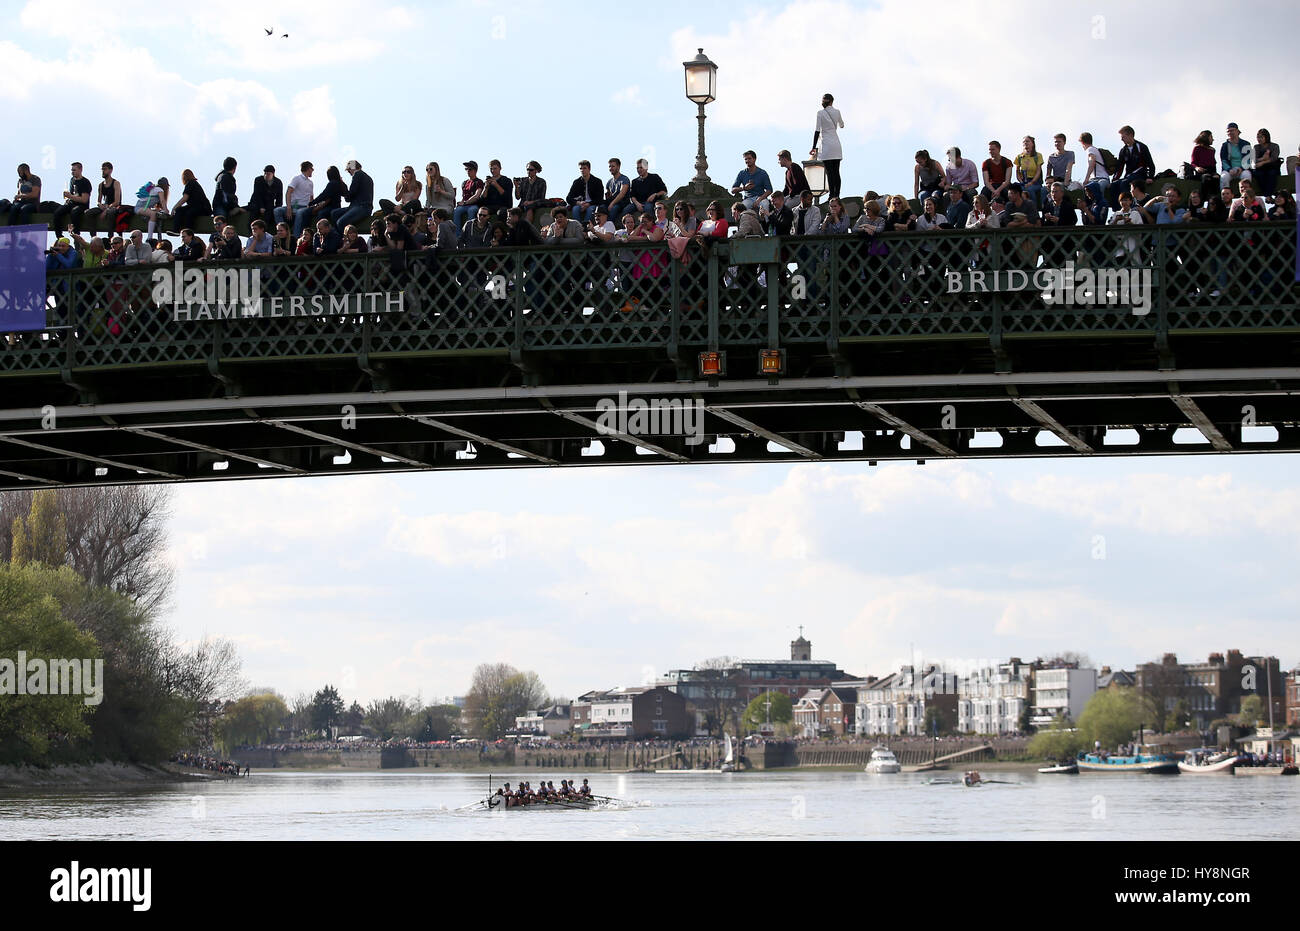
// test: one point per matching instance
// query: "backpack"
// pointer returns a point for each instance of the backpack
(1109, 160)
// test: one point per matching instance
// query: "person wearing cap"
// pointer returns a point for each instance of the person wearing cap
(531, 190)
(1235, 158)
(361, 198)
(471, 192)
(268, 196)
(62, 256)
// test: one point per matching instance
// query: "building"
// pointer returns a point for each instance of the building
(550, 722)
(1292, 690)
(896, 704)
(994, 699)
(1062, 690)
(1119, 678)
(837, 713)
(725, 691)
(640, 713)
(1214, 689)
(807, 712)
(580, 710)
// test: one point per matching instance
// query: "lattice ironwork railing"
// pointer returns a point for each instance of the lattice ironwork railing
(963, 285)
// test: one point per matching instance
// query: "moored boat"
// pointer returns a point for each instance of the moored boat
(1207, 760)
(883, 761)
(1069, 768)
(1139, 762)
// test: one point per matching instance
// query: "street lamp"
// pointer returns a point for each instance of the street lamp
(814, 171)
(701, 88)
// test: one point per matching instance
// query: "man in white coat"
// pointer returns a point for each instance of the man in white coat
(827, 142)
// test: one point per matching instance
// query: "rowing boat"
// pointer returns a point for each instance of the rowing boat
(498, 803)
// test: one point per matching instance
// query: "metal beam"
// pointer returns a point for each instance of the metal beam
(347, 444)
(522, 393)
(899, 424)
(87, 458)
(612, 434)
(1198, 419)
(752, 427)
(478, 438)
(1051, 423)
(29, 478)
(153, 434)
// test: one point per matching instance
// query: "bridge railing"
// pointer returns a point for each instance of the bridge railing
(965, 285)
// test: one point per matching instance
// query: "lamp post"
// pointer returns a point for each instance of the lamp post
(701, 88)
(814, 171)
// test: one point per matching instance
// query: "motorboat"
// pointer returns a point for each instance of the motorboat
(883, 761)
(1064, 767)
(1137, 762)
(1208, 760)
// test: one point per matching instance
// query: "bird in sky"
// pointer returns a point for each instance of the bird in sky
(270, 31)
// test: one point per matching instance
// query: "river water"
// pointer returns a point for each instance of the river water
(793, 805)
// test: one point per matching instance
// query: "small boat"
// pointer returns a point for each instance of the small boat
(729, 761)
(1208, 760)
(1065, 767)
(1139, 762)
(883, 761)
(971, 778)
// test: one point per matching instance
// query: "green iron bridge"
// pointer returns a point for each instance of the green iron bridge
(798, 349)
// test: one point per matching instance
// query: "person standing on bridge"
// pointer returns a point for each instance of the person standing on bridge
(826, 142)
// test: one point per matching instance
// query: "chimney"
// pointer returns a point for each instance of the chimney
(1169, 659)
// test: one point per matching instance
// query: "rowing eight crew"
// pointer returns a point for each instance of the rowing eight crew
(526, 794)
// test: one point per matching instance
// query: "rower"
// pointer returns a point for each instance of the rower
(585, 790)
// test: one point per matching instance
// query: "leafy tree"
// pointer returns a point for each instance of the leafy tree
(1057, 742)
(756, 712)
(35, 623)
(1113, 716)
(41, 538)
(386, 715)
(326, 709)
(353, 719)
(1253, 710)
(253, 719)
(498, 694)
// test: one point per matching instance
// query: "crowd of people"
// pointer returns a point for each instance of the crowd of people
(1058, 189)
(545, 793)
(210, 763)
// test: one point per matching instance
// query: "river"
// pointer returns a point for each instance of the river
(788, 805)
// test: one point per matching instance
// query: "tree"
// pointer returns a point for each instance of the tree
(935, 721)
(1067, 659)
(498, 694)
(432, 722)
(253, 719)
(34, 725)
(116, 536)
(326, 709)
(757, 711)
(1180, 717)
(1057, 741)
(1113, 716)
(41, 538)
(353, 720)
(385, 715)
(716, 689)
(1252, 711)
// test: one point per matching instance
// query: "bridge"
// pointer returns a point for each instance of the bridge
(921, 346)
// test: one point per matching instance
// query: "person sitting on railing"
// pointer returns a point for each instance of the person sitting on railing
(1283, 207)
(138, 252)
(961, 174)
(1268, 163)
(438, 189)
(997, 172)
(193, 203)
(807, 216)
(1247, 208)
(109, 201)
(26, 199)
(327, 240)
(76, 201)
(1059, 211)
(1132, 164)
(361, 197)
(530, 190)
(646, 189)
(754, 186)
(836, 222)
(498, 192)
(352, 242)
(1029, 171)
(1096, 179)
(324, 204)
(617, 191)
(268, 196)
(477, 233)
(1234, 157)
(796, 182)
(407, 194)
(259, 245)
(1060, 165)
(223, 197)
(927, 176)
(585, 194)
(191, 248)
(471, 192)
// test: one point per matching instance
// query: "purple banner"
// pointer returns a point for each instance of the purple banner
(22, 278)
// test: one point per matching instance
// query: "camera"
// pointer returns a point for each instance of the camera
(519, 180)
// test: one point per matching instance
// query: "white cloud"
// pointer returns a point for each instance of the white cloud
(630, 96)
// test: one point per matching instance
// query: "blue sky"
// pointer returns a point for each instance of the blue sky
(599, 577)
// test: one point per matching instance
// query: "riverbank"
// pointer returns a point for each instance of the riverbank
(92, 775)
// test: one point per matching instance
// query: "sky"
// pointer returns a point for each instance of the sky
(601, 577)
